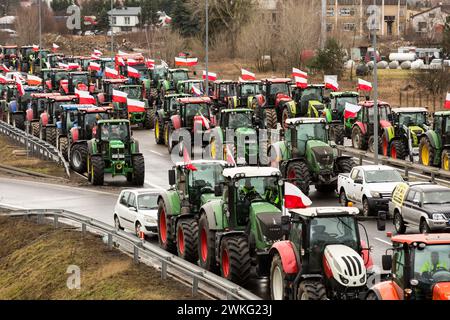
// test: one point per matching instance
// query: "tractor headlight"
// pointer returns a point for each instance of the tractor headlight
(375, 194)
(438, 216)
(363, 279)
(343, 279)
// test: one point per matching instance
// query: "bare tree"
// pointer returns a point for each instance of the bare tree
(27, 23)
(172, 43)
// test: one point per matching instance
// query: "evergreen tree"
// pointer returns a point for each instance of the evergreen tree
(183, 20)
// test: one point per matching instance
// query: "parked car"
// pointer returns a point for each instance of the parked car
(371, 186)
(421, 205)
(136, 210)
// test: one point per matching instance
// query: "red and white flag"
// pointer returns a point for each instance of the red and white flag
(447, 101)
(364, 85)
(205, 122)
(121, 62)
(73, 66)
(150, 63)
(84, 97)
(33, 80)
(111, 73)
(119, 96)
(132, 62)
(301, 82)
(4, 68)
(135, 105)
(186, 62)
(247, 75)
(94, 57)
(55, 47)
(230, 156)
(211, 76)
(63, 65)
(351, 110)
(19, 86)
(35, 48)
(331, 83)
(94, 66)
(3, 79)
(187, 159)
(196, 91)
(299, 73)
(294, 198)
(133, 73)
(98, 53)
(121, 53)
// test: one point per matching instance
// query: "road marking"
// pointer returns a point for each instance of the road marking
(381, 240)
(154, 185)
(157, 153)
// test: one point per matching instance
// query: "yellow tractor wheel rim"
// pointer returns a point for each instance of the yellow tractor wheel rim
(446, 162)
(425, 156)
(213, 149)
(157, 129)
(166, 135)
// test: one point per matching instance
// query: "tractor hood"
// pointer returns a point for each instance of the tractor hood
(206, 197)
(246, 132)
(441, 291)
(321, 152)
(268, 218)
(116, 144)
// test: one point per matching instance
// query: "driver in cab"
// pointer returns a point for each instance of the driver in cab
(433, 265)
(248, 191)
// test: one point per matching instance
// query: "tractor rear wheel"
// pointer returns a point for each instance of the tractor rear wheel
(78, 157)
(170, 143)
(371, 145)
(445, 160)
(345, 165)
(271, 119)
(359, 140)
(426, 152)
(159, 130)
(35, 129)
(235, 264)
(50, 135)
(206, 249)
(398, 150)
(138, 170)
(19, 121)
(279, 286)
(187, 240)
(298, 173)
(338, 134)
(165, 235)
(311, 290)
(284, 117)
(97, 170)
(149, 119)
(64, 147)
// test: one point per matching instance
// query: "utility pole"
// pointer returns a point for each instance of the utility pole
(112, 32)
(324, 24)
(207, 45)
(40, 35)
(375, 88)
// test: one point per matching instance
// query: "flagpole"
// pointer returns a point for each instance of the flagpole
(207, 45)
(375, 92)
(40, 36)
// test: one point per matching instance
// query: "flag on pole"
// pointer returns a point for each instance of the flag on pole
(351, 110)
(63, 66)
(133, 73)
(73, 66)
(187, 159)
(19, 86)
(35, 48)
(301, 82)
(230, 156)
(94, 66)
(294, 198)
(4, 68)
(135, 105)
(205, 121)
(247, 75)
(119, 96)
(33, 80)
(447, 101)
(211, 76)
(98, 53)
(364, 85)
(299, 73)
(196, 91)
(186, 62)
(55, 47)
(331, 83)
(94, 57)
(121, 61)
(132, 62)
(150, 63)
(3, 79)
(84, 97)
(111, 73)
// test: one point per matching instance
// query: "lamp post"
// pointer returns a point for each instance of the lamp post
(112, 32)
(40, 35)
(375, 87)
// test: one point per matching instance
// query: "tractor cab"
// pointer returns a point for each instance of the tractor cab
(274, 90)
(245, 92)
(53, 59)
(187, 87)
(222, 91)
(309, 137)
(133, 91)
(157, 74)
(304, 96)
(338, 100)
(37, 105)
(419, 267)
(113, 139)
(236, 119)
(441, 126)
(170, 83)
(54, 78)
(193, 112)
(9, 56)
(108, 85)
(434, 146)
(367, 115)
(53, 106)
(76, 80)
(27, 56)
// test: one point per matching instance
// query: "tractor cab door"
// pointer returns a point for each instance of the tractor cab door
(446, 130)
(398, 271)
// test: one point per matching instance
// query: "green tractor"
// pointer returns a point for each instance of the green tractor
(186, 86)
(310, 101)
(409, 125)
(179, 207)
(434, 147)
(170, 83)
(245, 92)
(305, 157)
(26, 57)
(237, 231)
(113, 150)
(162, 117)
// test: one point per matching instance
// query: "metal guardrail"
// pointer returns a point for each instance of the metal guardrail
(35, 146)
(198, 275)
(407, 166)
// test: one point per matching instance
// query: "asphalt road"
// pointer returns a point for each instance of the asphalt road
(99, 204)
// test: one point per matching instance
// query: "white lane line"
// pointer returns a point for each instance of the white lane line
(154, 185)
(385, 242)
(157, 153)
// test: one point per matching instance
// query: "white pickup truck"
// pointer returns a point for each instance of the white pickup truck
(371, 186)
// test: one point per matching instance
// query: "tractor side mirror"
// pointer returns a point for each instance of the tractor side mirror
(172, 178)
(386, 261)
(381, 221)
(218, 191)
(285, 225)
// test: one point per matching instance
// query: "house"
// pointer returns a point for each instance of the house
(7, 22)
(431, 20)
(125, 19)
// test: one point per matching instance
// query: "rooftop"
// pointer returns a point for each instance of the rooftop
(249, 172)
(125, 11)
(436, 238)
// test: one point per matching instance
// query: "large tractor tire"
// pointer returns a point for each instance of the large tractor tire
(271, 119)
(445, 160)
(64, 147)
(159, 130)
(298, 174)
(279, 286)
(50, 135)
(187, 240)
(35, 129)
(206, 249)
(426, 152)
(166, 134)
(338, 135)
(170, 142)
(359, 140)
(235, 264)
(398, 150)
(138, 170)
(149, 119)
(165, 234)
(284, 117)
(78, 157)
(370, 146)
(97, 170)
(345, 165)
(311, 290)
(18, 121)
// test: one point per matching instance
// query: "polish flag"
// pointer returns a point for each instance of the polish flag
(211, 76)
(196, 91)
(94, 57)
(119, 96)
(4, 68)
(331, 83)
(63, 65)
(247, 75)
(33, 80)
(133, 73)
(84, 97)
(150, 63)
(364, 85)
(301, 82)
(19, 86)
(205, 121)
(98, 53)
(187, 159)
(35, 48)
(3, 79)
(111, 73)
(186, 62)
(135, 105)
(351, 110)
(94, 66)
(121, 62)
(294, 198)
(55, 47)
(447, 101)
(299, 73)
(73, 66)
(132, 62)
(121, 53)
(230, 157)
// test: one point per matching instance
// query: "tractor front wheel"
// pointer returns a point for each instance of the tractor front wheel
(284, 117)
(187, 240)
(311, 290)
(279, 286)
(159, 131)
(149, 118)
(298, 174)
(445, 160)
(206, 249)
(78, 157)
(271, 119)
(50, 135)
(235, 259)
(35, 129)
(359, 140)
(338, 134)
(345, 165)
(19, 121)
(64, 147)
(97, 170)
(165, 236)
(398, 150)
(426, 152)
(138, 170)
(385, 150)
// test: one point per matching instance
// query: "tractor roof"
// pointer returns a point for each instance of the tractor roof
(442, 113)
(45, 95)
(249, 172)
(237, 110)
(277, 80)
(241, 81)
(26, 47)
(177, 95)
(63, 98)
(115, 80)
(409, 110)
(370, 103)
(296, 121)
(194, 100)
(326, 211)
(90, 108)
(224, 82)
(435, 238)
(344, 94)
(113, 121)
(10, 47)
(199, 162)
(179, 70)
(78, 73)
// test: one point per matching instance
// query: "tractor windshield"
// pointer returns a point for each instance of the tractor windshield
(258, 188)
(240, 120)
(143, 71)
(148, 201)
(249, 89)
(312, 131)
(192, 110)
(412, 119)
(61, 76)
(383, 176)
(431, 265)
(206, 177)
(114, 131)
(180, 76)
(383, 113)
(92, 118)
(197, 85)
(276, 88)
(341, 101)
(9, 51)
(313, 93)
(133, 92)
(80, 78)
